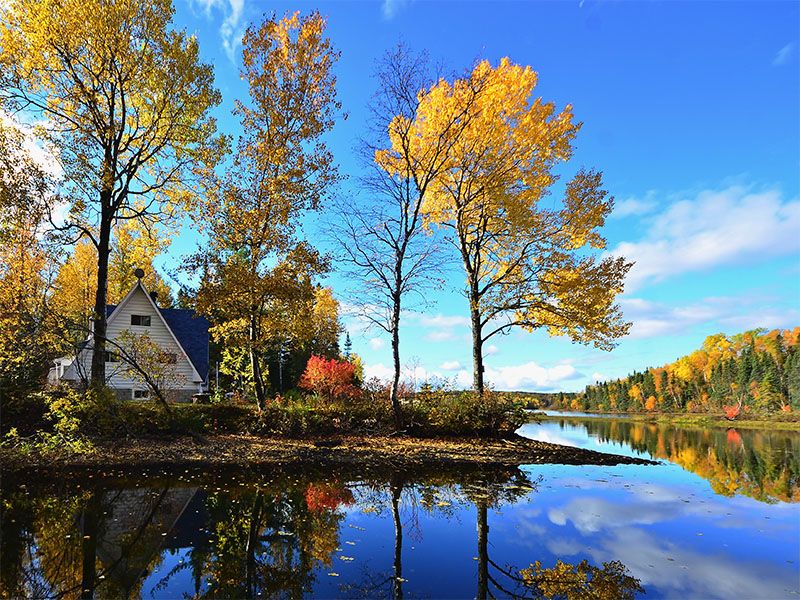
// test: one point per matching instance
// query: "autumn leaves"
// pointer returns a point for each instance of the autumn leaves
(126, 105)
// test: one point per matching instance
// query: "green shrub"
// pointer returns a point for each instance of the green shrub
(465, 413)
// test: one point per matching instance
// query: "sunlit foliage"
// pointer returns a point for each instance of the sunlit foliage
(755, 371)
(526, 265)
(122, 99)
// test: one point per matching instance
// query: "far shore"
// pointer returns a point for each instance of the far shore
(248, 451)
(783, 422)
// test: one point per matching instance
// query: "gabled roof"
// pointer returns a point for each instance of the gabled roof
(189, 329)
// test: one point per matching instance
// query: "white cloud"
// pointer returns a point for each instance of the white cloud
(45, 157)
(525, 377)
(653, 319)
(635, 206)
(440, 335)
(390, 8)
(232, 28)
(490, 350)
(379, 371)
(529, 376)
(783, 55)
(714, 228)
(450, 365)
(599, 377)
(441, 320)
(376, 343)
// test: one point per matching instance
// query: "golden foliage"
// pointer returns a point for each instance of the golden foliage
(525, 264)
(133, 247)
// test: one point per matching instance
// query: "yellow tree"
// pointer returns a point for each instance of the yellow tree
(526, 265)
(282, 169)
(132, 247)
(25, 263)
(123, 99)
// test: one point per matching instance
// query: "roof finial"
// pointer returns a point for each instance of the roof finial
(139, 273)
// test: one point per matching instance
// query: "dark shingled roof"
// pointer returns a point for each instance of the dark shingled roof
(192, 333)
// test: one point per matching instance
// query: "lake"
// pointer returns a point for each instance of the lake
(717, 518)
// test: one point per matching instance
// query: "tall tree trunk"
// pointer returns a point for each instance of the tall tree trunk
(252, 542)
(398, 415)
(477, 347)
(89, 526)
(255, 366)
(483, 551)
(397, 584)
(98, 375)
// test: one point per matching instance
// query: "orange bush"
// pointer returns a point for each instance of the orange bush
(327, 496)
(333, 379)
(731, 412)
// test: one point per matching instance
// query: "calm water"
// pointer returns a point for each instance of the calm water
(718, 518)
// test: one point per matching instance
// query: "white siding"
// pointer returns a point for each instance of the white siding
(139, 304)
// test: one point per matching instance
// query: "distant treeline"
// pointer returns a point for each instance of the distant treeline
(755, 371)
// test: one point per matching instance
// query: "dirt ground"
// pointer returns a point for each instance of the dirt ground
(229, 450)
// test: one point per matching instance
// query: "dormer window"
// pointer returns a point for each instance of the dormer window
(141, 320)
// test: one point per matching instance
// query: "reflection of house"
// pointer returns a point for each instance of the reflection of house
(138, 527)
(180, 334)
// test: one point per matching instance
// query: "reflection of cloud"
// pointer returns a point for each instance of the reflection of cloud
(650, 528)
(678, 570)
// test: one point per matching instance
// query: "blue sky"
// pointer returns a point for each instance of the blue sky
(691, 109)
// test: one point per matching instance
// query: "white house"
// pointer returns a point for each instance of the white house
(181, 335)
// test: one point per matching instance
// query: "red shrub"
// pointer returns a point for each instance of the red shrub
(734, 437)
(327, 496)
(731, 412)
(332, 379)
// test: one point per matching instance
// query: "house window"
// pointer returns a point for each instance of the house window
(111, 357)
(141, 394)
(142, 320)
(169, 358)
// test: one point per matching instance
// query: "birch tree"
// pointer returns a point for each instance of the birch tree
(381, 239)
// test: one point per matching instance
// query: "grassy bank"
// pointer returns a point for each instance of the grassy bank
(783, 422)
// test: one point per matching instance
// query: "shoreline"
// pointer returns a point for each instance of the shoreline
(779, 422)
(222, 451)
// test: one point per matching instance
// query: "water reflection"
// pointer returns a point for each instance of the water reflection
(761, 464)
(279, 536)
(600, 532)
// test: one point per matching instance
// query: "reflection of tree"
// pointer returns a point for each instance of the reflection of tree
(396, 487)
(581, 581)
(566, 581)
(263, 539)
(762, 464)
(268, 542)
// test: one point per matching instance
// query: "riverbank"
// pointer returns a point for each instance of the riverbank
(782, 422)
(235, 450)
